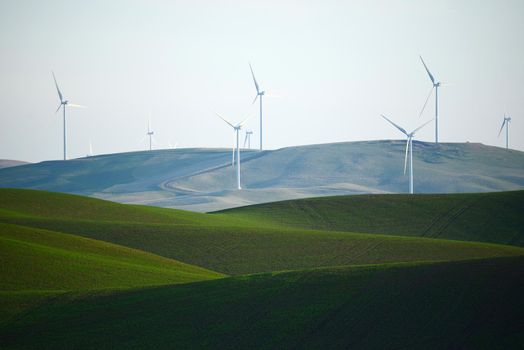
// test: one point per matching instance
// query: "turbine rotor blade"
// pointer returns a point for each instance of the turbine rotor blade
(427, 70)
(75, 105)
(395, 125)
(60, 105)
(271, 95)
(224, 120)
(255, 100)
(244, 121)
(254, 80)
(420, 127)
(233, 149)
(57, 88)
(245, 139)
(406, 157)
(425, 103)
(502, 127)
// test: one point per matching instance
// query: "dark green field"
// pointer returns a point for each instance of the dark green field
(333, 272)
(485, 217)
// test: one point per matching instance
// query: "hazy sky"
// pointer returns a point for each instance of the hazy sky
(334, 67)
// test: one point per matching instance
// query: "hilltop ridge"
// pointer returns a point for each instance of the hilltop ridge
(203, 179)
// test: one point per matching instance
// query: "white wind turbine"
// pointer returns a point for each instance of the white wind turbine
(237, 129)
(261, 94)
(63, 104)
(150, 133)
(409, 147)
(90, 154)
(248, 139)
(506, 122)
(436, 85)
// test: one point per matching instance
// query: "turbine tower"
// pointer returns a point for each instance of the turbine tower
(63, 104)
(436, 85)
(248, 139)
(237, 129)
(261, 94)
(409, 147)
(506, 122)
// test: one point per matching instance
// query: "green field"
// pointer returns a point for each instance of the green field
(332, 272)
(485, 217)
(226, 243)
(449, 305)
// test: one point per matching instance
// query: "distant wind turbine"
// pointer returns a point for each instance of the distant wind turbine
(436, 85)
(90, 154)
(261, 94)
(248, 139)
(237, 129)
(409, 147)
(506, 122)
(63, 104)
(150, 133)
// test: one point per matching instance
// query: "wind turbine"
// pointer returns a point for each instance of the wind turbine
(150, 133)
(261, 94)
(237, 129)
(506, 122)
(63, 104)
(409, 147)
(248, 139)
(436, 85)
(90, 154)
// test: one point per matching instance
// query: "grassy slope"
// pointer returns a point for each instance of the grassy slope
(474, 304)
(46, 260)
(238, 248)
(19, 202)
(37, 264)
(487, 217)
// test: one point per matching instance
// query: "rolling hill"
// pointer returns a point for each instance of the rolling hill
(225, 243)
(46, 260)
(38, 265)
(203, 179)
(7, 163)
(460, 305)
(80, 272)
(487, 217)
